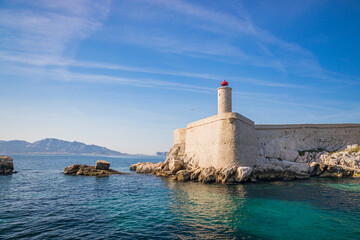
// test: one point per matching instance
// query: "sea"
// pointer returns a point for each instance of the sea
(40, 202)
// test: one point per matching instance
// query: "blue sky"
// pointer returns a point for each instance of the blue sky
(125, 74)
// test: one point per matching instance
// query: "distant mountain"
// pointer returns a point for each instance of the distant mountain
(54, 146)
(161, 153)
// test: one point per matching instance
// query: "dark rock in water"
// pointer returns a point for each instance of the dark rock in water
(183, 175)
(101, 169)
(72, 170)
(102, 165)
(6, 165)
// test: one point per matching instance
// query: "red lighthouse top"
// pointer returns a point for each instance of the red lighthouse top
(224, 83)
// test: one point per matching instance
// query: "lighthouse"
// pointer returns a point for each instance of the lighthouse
(224, 98)
(225, 139)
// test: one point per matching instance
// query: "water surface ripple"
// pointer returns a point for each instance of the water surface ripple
(39, 202)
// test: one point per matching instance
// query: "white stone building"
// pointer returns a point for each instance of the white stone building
(229, 138)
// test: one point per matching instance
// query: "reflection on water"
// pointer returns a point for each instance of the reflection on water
(207, 211)
(277, 210)
(349, 187)
(42, 203)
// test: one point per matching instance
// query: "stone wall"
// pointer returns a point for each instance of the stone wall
(288, 142)
(349, 132)
(221, 140)
(179, 136)
(245, 141)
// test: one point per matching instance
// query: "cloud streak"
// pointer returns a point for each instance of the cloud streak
(40, 61)
(217, 35)
(52, 30)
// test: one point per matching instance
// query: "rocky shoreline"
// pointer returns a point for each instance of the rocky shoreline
(178, 166)
(101, 169)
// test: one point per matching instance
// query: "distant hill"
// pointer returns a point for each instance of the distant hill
(54, 146)
(161, 153)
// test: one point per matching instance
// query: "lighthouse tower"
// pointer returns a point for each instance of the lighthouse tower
(224, 98)
(225, 139)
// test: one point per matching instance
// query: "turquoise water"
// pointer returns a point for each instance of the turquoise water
(39, 202)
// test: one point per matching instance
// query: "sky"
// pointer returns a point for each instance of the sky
(125, 74)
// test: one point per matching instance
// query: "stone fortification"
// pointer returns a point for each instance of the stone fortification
(221, 140)
(304, 142)
(229, 147)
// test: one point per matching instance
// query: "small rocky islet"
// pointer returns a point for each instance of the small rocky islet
(338, 164)
(101, 169)
(6, 165)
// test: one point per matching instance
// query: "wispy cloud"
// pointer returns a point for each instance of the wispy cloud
(217, 35)
(52, 30)
(62, 74)
(48, 61)
(226, 23)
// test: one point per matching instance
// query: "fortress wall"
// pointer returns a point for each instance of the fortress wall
(245, 144)
(179, 136)
(232, 139)
(341, 134)
(221, 140)
(204, 139)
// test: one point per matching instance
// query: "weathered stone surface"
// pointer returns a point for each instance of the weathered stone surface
(86, 170)
(349, 157)
(6, 165)
(313, 169)
(72, 170)
(207, 175)
(271, 169)
(226, 174)
(243, 173)
(195, 174)
(102, 165)
(181, 167)
(175, 165)
(148, 167)
(281, 148)
(183, 175)
(134, 166)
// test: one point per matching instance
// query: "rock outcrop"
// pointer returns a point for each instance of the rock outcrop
(268, 166)
(102, 165)
(324, 157)
(6, 165)
(269, 169)
(101, 169)
(182, 168)
(343, 163)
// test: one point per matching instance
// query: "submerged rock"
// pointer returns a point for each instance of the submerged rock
(101, 169)
(6, 164)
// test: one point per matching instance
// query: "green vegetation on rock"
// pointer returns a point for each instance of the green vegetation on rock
(318, 150)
